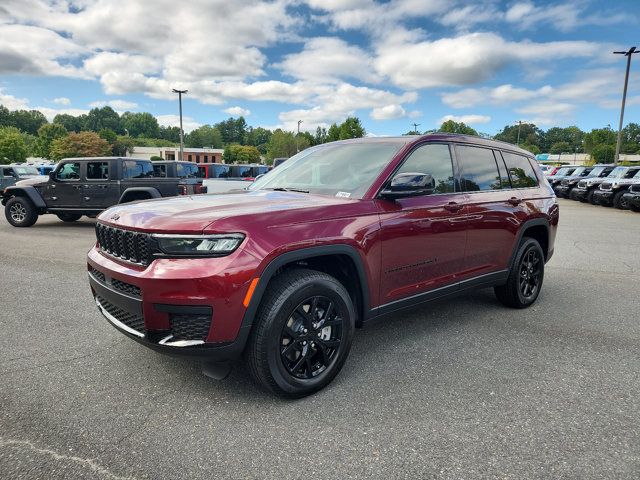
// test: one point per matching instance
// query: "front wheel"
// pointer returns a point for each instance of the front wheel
(591, 197)
(302, 333)
(525, 278)
(20, 212)
(68, 217)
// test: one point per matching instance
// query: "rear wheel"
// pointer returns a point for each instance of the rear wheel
(620, 202)
(302, 333)
(525, 278)
(68, 217)
(591, 197)
(20, 212)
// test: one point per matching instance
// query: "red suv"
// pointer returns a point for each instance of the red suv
(339, 234)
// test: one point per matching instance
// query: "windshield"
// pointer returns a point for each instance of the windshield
(633, 174)
(580, 171)
(618, 172)
(26, 171)
(564, 171)
(337, 169)
(596, 171)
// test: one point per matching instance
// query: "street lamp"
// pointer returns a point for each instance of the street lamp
(519, 126)
(627, 54)
(180, 92)
(297, 143)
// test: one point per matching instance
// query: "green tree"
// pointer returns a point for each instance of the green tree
(233, 130)
(351, 128)
(122, 146)
(529, 134)
(630, 138)
(597, 137)
(46, 135)
(334, 133)
(205, 136)
(572, 136)
(560, 147)
(321, 136)
(141, 124)
(12, 145)
(259, 137)
(603, 153)
(28, 121)
(109, 135)
(69, 122)
(170, 133)
(230, 154)
(5, 116)
(247, 154)
(103, 118)
(451, 126)
(285, 144)
(83, 144)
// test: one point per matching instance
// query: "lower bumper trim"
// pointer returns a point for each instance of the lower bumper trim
(117, 323)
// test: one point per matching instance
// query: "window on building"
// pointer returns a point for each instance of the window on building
(190, 159)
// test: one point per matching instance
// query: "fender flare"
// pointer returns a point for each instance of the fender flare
(30, 192)
(536, 222)
(151, 191)
(301, 254)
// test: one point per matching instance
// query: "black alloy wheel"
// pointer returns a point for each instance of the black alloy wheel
(311, 337)
(530, 270)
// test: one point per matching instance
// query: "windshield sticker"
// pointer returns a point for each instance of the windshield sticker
(343, 194)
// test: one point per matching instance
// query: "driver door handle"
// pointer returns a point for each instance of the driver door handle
(453, 207)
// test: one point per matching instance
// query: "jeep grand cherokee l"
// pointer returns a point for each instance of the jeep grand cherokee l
(337, 235)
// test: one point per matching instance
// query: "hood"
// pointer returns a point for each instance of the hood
(30, 181)
(189, 214)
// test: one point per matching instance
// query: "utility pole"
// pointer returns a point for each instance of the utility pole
(180, 92)
(415, 128)
(297, 143)
(519, 125)
(627, 54)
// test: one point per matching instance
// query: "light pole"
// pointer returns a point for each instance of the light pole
(627, 54)
(415, 128)
(297, 143)
(519, 125)
(180, 92)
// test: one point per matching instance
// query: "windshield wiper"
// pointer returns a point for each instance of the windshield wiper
(282, 189)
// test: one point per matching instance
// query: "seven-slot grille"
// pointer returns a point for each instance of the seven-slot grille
(124, 244)
(582, 183)
(635, 188)
(606, 186)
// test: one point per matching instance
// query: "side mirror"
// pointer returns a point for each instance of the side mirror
(52, 175)
(409, 185)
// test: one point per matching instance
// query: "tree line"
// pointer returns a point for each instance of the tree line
(103, 131)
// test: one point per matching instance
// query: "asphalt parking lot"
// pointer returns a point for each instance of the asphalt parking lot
(463, 388)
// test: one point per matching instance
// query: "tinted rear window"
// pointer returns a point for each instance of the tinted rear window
(520, 170)
(479, 170)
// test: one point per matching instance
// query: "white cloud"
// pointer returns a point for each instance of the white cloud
(188, 123)
(13, 103)
(238, 111)
(468, 119)
(465, 59)
(328, 59)
(120, 105)
(62, 101)
(501, 95)
(388, 112)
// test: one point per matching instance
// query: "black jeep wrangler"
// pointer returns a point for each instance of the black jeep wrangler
(84, 186)
(188, 173)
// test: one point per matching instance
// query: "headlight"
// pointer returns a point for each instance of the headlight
(199, 245)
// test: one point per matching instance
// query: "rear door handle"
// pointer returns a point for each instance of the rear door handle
(514, 201)
(453, 207)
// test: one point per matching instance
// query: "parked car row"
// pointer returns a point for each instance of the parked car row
(221, 177)
(605, 185)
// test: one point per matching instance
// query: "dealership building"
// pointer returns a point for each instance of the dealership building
(195, 155)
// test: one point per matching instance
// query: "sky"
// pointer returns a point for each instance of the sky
(391, 63)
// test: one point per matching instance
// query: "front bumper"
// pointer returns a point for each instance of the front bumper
(603, 197)
(579, 193)
(179, 307)
(563, 190)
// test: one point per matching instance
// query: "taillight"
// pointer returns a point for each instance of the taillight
(199, 188)
(182, 190)
(248, 179)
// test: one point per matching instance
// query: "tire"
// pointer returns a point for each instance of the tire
(20, 212)
(525, 277)
(633, 208)
(591, 197)
(281, 354)
(619, 202)
(68, 217)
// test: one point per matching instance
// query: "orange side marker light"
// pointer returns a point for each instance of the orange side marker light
(252, 288)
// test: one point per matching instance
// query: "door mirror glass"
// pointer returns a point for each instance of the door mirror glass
(409, 184)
